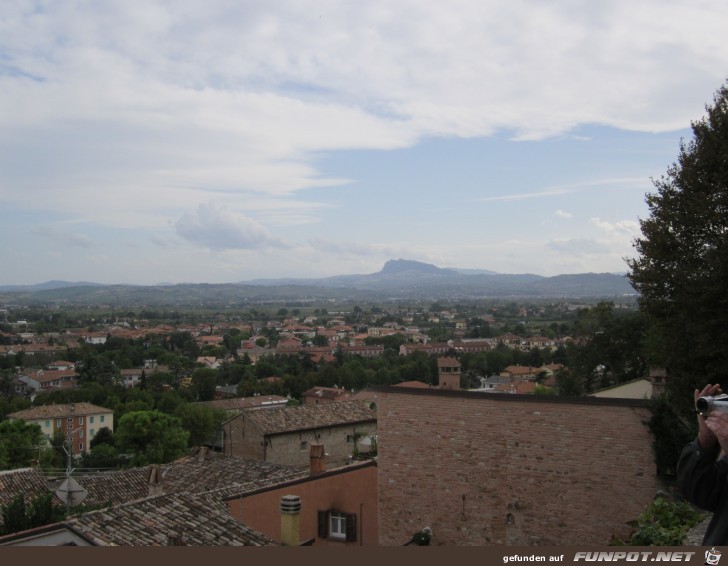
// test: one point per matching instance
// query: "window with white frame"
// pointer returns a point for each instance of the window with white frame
(337, 525)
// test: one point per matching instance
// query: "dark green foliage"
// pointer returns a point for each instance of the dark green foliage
(681, 271)
(670, 433)
(151, 437)
(664, 523)
(204, 382)
(19, 444)
(201, 422)
(19, 516)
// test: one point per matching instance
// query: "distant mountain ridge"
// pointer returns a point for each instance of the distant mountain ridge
(398, 278)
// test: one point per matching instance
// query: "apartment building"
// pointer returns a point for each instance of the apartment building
(79, 422)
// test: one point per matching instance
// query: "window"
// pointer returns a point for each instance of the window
(91, 433)
(337, 525)
(80, 446)
(91, 420)
(47, 424)
(102, 418)
(80, 420)
(58, 423)
(304, 445)
(80, 433)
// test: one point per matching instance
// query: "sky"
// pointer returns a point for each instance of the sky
(220, 141)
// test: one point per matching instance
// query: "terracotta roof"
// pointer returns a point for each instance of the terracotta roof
(217, 471)
(240, 403)
(196, 520)
(113, 487)
(520, 370)
(59, 411)
(48, 375)
(420, 384)
(310, 416)
(325, 392)
(447, 362)
(28, 481)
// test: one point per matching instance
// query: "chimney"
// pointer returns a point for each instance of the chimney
(448, 373)
(317, 455)
(155, 481)
(290, 520)
(202, 454)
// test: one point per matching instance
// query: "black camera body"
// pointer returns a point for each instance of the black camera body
(706, 404)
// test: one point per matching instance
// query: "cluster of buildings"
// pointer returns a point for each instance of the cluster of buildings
(379, 467)
(405, 463)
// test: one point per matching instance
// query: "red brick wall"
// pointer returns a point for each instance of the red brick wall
(483, 469)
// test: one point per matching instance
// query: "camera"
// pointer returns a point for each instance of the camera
(706, 404)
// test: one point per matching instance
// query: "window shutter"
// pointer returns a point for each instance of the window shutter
(350, 527)
(323, 524)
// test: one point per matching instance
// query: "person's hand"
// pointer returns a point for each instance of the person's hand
(706, 435)
(717, 423)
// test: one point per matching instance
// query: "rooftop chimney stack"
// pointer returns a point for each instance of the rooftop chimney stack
(317, 456)
(290, 520)
(449, 373)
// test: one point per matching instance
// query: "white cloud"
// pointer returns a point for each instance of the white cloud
(563, 214)
(218, 228)
(65, 238)
(623, 229)
(121, 115)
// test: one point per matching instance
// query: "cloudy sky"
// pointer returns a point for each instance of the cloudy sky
(227, 140)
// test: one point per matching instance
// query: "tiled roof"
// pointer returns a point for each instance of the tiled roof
(48, 375)
(195, 520)
(310, 416)
(59, 411)
(113, 487)
(447, 362)
(326, 392)
(217, 471)
(240, 403)
(28, 481)
(420, 384)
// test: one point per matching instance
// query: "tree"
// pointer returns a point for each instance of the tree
(152, 437)
(19, 516)
(681, 271)
(204, 381)
(19, 444)
(201, 422)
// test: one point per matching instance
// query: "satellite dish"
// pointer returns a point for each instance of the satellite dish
(71, 493)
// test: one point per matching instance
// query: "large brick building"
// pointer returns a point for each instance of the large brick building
(487, 469)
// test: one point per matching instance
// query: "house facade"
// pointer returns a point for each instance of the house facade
(284, 435)
(336, 507)
(78, 422)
